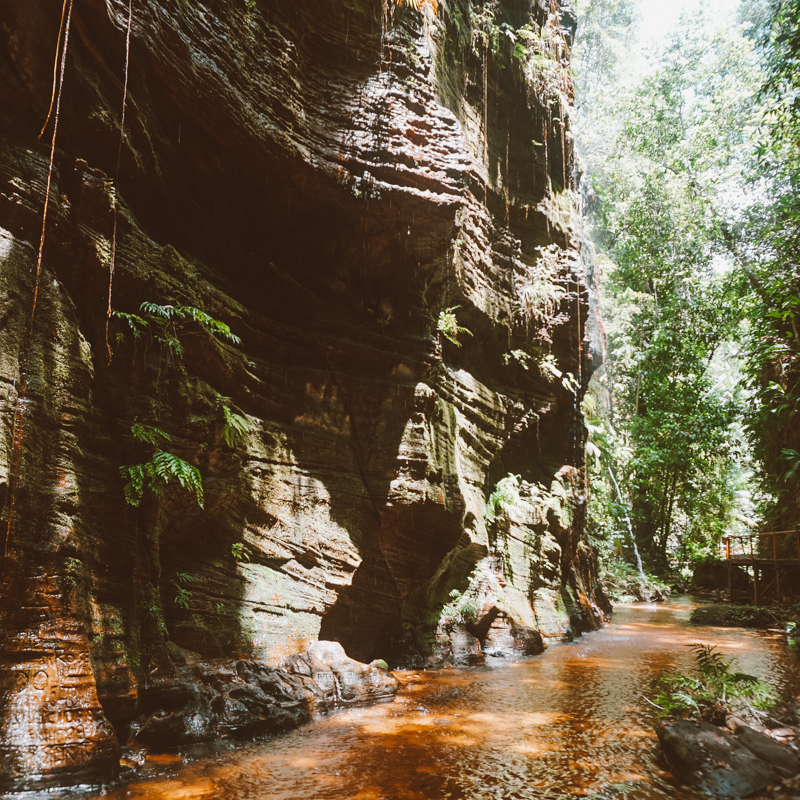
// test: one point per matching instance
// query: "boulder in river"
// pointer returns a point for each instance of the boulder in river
(783, 760)
(224, 698)
(720, 763)
(343, 680)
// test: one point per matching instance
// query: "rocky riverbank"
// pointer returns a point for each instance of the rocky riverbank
(737, 759)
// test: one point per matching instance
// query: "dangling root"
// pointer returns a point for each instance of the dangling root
(55, 70)
(19, 411)
(116, 179)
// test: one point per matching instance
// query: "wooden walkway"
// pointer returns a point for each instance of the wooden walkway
(769, 554)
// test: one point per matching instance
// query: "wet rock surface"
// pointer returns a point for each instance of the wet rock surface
(732, 762)
(223, 698)
(708, 758)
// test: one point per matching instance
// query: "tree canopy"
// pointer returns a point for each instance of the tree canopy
(694, 204)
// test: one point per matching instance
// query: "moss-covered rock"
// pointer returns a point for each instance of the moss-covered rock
(734, 616)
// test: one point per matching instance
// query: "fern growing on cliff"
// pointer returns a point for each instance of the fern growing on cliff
(162, 470)
(504, 496)
(448, 326)
(540, 296)
(166, 325)
(235, 427)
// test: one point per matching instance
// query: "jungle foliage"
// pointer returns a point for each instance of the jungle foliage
(714, 690)
(695, 210)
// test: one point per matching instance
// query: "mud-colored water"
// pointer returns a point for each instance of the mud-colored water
(570, 723)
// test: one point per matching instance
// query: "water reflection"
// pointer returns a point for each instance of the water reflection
(570, 723)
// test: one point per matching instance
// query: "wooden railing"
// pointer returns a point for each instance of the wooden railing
(754, 554)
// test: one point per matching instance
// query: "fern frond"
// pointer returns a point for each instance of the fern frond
(709, 662)
(134, 476)
(155, 311)
(235, 429)
(149, 434)
(210, 325)
(168, 466)
(137, 325)
(448, 326)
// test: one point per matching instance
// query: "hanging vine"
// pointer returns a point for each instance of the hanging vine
(55, 69)
(116, 177)
(19, 410)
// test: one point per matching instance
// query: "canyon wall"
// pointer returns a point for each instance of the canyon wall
(378, 200)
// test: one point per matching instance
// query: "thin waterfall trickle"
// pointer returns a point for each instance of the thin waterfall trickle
(642, 577)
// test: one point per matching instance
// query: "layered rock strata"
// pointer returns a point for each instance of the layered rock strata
(347, 185)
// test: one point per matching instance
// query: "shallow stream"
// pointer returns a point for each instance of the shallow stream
(570, 723)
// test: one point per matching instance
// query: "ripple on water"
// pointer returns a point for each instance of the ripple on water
(570, 723)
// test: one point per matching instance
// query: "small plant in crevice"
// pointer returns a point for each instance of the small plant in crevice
(713, 691)
(155, 615)
(160, 471)
(486, 33)
(504, 496)
(447, 325)
(460, 609)
(548, 368)
(239, 553)
(533, 499)
(73, 572)
(540, 295)
(520, 357)
(183, 595)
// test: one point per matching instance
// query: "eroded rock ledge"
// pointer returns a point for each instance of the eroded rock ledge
(207, 699)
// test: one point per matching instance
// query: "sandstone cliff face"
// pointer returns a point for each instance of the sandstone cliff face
(326, 178)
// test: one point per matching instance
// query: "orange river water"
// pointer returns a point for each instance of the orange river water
(570, 723)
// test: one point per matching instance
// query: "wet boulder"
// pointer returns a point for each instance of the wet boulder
(345, 680)
(224, 698)
(466, 648)
(713, 760)
(782, 759)
(506, 637)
